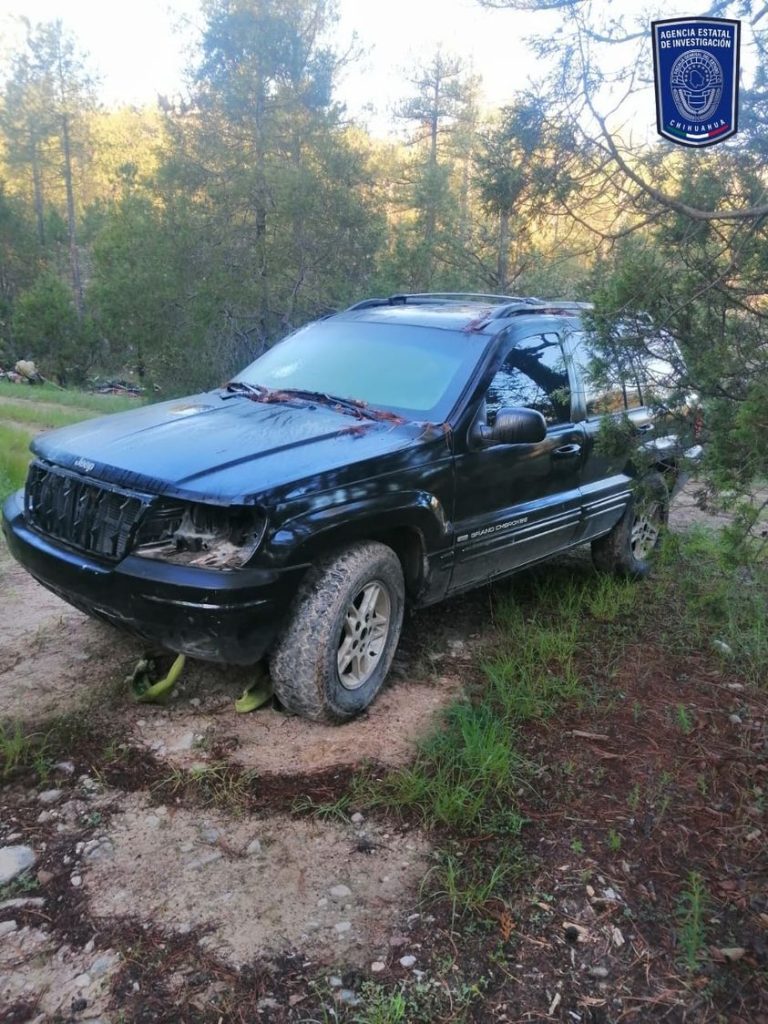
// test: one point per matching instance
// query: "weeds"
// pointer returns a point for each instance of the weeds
(14, 458)
(382, 1007)
(691, 910)
(683, 720)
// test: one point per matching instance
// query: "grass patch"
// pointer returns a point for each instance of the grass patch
(717, 605)
(469, 774)
(45, 417)
(81, 399)
(14, 458)
(691, 911)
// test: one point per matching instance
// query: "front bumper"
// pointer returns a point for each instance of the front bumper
(229, 617)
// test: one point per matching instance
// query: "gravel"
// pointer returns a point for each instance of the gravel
(14, 860)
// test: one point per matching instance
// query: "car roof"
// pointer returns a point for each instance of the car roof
(473, 313)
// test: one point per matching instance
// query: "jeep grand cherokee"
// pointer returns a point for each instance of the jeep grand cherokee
(396, 453)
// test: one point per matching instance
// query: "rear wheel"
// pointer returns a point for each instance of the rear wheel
(628, 549)
(335, 651)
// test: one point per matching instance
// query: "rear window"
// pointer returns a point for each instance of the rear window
(418, 372)
(626, 371)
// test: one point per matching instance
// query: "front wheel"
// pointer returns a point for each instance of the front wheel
(335, 651)
(628, 549)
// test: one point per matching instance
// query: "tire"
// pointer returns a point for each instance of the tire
(628, 549)
(324, 665)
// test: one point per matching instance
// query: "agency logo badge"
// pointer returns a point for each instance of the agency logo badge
(696, 72)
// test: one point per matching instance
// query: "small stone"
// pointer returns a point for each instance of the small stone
(734, 719)
(22, 903)
(407, 961)
(598, 972)
(101, 965)
(209, 857)
(312, 926)
(186, 847)
(14, 860)
(253, 849)
(44, 877)
(335, 981)
(195, 702)
(6, 927)
(357, 818)
(50, 796)
(210, 835)
(83, 981)
(322, 902)
(267, 1003)
(64, 768)
(100, 850)
(79, 1004)
(378, 966)
(348, 997)
(89, 946)
(184, 742)
(340, 892)
(398, 940)
(342, 927)
(76, 881)
(45, 816)
(723, 647)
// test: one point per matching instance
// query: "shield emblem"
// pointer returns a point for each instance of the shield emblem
(696, 73)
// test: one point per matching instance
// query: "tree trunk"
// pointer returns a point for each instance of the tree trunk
(74, 257)
(37, 182)
(502, 264)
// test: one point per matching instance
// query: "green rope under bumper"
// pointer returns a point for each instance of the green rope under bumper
(148, 692)
(256, 695)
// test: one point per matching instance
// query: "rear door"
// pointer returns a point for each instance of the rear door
(516, 504)
(610, 386)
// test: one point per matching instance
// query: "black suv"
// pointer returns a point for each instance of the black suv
(398, 452)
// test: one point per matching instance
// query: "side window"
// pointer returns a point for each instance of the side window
(609, 374)
(533, 376)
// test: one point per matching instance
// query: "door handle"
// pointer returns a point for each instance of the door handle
(566, 450)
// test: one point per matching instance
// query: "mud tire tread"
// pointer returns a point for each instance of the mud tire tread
(303, 660)
(613, 552)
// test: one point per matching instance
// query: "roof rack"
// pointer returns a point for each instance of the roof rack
(539, 306)
(422, 298)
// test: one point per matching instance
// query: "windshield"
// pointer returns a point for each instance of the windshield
(417, 372)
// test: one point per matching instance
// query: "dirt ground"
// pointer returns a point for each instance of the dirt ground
(135, 869)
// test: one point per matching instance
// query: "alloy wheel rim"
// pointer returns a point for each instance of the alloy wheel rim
(364, 635)
(645, 530)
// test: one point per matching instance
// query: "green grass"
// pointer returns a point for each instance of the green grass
(14, 458)
(65, 408)
(43, 418)
(469, 774)
(717, 604)
(80, 399)
(691, 913)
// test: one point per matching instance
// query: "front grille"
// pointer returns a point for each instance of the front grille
(81, 513)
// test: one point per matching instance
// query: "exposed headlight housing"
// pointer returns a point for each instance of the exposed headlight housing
(203, 536)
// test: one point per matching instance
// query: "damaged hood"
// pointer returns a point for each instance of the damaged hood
(222, 449)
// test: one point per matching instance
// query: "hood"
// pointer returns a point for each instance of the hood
(220, 449)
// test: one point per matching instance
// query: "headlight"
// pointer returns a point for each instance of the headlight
(204, 536)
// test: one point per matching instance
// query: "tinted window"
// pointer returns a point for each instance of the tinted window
(626, 371)
(417, 371)
(533, 376)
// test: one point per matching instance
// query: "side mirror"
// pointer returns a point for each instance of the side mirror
(513, 426)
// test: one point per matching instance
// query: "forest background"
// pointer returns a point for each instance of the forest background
(172, 243)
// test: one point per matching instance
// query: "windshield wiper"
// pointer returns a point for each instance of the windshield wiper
(350, 405)
(240, 387)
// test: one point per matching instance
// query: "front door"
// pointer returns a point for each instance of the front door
(516, 504)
